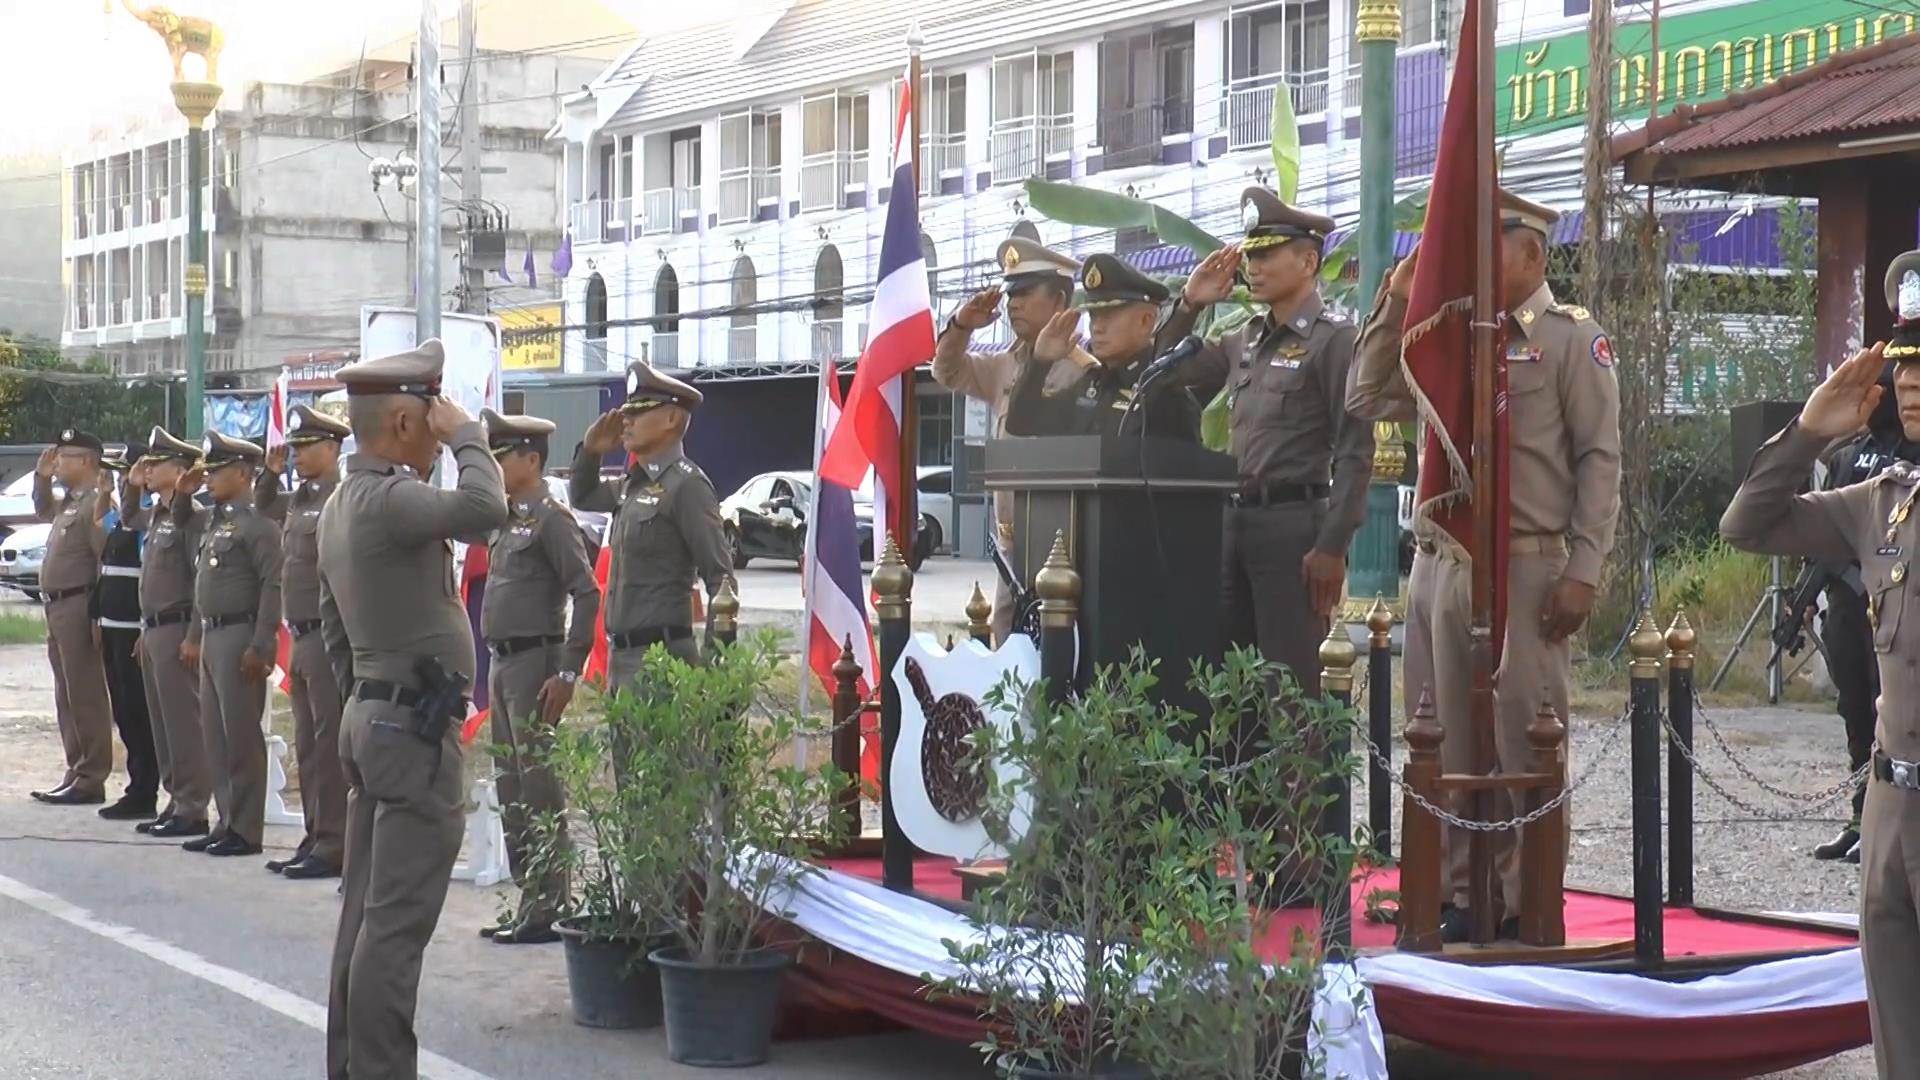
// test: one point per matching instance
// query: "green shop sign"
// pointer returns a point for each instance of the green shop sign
(1542, 85)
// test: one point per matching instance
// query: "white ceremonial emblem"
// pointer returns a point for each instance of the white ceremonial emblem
(1249, 216)
(633, 383)
(1910, 295)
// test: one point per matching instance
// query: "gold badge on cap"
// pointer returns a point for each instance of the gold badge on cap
(1249, 216)
(1093, 277)
(1010, 259)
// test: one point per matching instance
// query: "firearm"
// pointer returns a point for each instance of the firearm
(443, 698)
(1026, 606)
(1790, 633)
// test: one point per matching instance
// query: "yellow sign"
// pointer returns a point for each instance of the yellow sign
(530, 338)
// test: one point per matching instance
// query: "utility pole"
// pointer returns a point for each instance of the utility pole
(473, 294)
(426, 246)
(1598, 166)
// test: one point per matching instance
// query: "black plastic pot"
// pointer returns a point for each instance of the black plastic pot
(610, 981)
(720, 1016)
(1015, 1067)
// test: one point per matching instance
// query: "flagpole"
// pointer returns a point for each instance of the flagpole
(1480, 637)
(806, 566)
(904, 503)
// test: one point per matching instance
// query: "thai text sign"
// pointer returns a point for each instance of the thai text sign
(530, 338)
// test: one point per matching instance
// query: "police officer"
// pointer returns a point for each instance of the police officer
(398, 635)
(314, 439)
(1873, 523)
(173, 532)
(233, 638)
(535, 565)
(1124, 310)
(1565, 480)
(1024, 394)
(116, 611)
(67, 577)
(666, 531)
(1304, 464)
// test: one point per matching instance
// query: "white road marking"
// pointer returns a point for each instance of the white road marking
(287, 1004)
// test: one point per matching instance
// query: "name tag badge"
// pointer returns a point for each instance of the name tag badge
(1889, 551)
(1523, 356)
(1283, 362)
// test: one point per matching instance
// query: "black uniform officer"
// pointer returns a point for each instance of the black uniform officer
(1123, 307)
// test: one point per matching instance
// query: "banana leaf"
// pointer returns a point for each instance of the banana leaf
(1284, 133)
(1111, 210)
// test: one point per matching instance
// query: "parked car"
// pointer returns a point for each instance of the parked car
(16, 502)
(767, 517)
(21, 554)
(936, 512)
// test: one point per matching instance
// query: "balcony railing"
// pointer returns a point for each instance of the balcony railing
(666, 348)
(742, 190)
(159, 307)
(662, 208)
(82, 225)
(120, 312)
(1021, 146)
(1350, 92)
(1249, 105)
(588, 220)
(743, 343)
(116, 217)
(1133, 136)
(824, 177)
(83, 315)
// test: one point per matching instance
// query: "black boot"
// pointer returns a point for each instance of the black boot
(129, 808)
(1839, 846)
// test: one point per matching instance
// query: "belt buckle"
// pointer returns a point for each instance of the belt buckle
(1904, 775)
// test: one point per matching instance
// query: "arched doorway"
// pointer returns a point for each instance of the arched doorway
(829, 303)
(932, 257)
(666, 331)
(1025, 230)
(596, 359)
(743, 331)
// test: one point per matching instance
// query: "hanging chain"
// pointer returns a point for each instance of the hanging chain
(1813, 801)
(1814, 798)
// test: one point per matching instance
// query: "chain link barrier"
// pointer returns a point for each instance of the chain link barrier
(1810, 801)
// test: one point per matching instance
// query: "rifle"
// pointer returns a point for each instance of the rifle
(1790, 633)
(1026, 606)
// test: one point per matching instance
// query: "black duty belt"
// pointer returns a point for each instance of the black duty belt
(1900, 774)
(170, 618)
(303, 627)
(381, 690)
(54, 596)
(1277, 494)
(215, 622)
(647, 636)
(506, 647)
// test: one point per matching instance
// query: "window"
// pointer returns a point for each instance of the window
(1146, 93)
(943, 126)
(1032, 113)
(1420, 20)
(829, 303)
(229, 268)
(625, 190)
(937, 483)
(758, 491)
(666, 332)
(1270, 45)
(743, 331)
(749, 163)
(833, 148)
(671, 161)
(936, 429)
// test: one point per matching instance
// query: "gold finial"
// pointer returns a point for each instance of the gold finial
(892, 583)
(1058, 586)
(1680, 641)
(726, 608)
(979, 613)
(1380, 622)
(1337, 655)
(846, 670)
(1389, 455)
(1377, 20)
(1645, 647)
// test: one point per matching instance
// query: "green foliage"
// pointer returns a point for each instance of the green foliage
(41, 393)
(19, 629)
(1283, 133)
(1111, 210)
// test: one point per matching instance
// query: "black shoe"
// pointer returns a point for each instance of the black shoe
(179, 826)
(1839, 846)
(128, 808)
(61, 789)
(230, 845)
(310, 869)
(1509, 929)
(146, 828)
(528, 933)
(1456, 925)
(299, 853)
(75, 797)
(504, 926)
(206, 841)
(1853, 853)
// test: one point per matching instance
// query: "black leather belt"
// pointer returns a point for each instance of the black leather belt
(381, 690)
(171, 618)
(642, 638)
(303, 627)
(506, 647)
(1900, 774)
(215, 622)
(1277, 494)
(54, 596)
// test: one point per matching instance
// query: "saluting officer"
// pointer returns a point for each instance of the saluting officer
(315, 440)
(1304, 463)
(1565, 479)
(67, 577)
(666, 532)
(391, 616)
(1124, 311)
(116, 611)
(233, 639)
(536, 564)
(173, 533)
(1025, 395)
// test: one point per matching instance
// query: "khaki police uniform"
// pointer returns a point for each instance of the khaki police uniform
(1872, 522)
(535, 566)
(999, 376)
(1564, 409)
(1105, 401)
(666, 534)
(67, 578)
(236, 600)
(311, 684)
(1304, 463)
(173, 533)
(389, 599)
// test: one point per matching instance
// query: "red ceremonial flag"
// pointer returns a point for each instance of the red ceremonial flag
(1438, 339)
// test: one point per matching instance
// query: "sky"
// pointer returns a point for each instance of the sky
(80, 66)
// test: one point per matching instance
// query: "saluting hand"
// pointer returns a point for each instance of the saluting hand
(604, 435)
(980, 310)
(277, 459)
(137, 476)
(102, 502)
(43, 465)
(445, 416)
(1212, 280)
(554, 695)
(1841, 405)
(1568, 605)
(1400, 282)
(190, 481)
(1056, 339)
(1324, 576)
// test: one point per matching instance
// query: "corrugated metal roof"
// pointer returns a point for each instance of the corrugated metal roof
(823, 44)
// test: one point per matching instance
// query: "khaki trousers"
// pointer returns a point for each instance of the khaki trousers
(405, 818)
(231, 707)
(173, 701)
(80, 704)
(1263, 600)
(315, 691)
(1438, 660)
(1890, 926)
(528, 790)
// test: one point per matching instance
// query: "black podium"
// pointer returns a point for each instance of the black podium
(1142, 521)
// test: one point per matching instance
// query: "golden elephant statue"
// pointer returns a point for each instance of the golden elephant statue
(183, 34)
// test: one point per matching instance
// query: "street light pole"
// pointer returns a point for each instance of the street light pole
(426, 246)
(195, 101)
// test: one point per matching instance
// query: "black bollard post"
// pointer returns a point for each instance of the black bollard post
(1337, 656)
(1380, 724)
(1058, 587)
(1680, 642)
(1648, 900)
(893, 585)
(726, 612)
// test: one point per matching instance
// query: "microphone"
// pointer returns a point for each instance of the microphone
(1186, 349)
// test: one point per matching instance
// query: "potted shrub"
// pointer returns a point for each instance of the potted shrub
(711, 758)
(1053, 957)
(1234, 974)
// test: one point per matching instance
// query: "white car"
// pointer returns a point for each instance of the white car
(16, 502)
(21, 554)
(936, 507)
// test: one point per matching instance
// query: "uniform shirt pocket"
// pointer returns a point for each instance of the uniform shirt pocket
(1526, 376)
(1886, 602)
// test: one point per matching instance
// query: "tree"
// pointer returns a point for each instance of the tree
(42, 393)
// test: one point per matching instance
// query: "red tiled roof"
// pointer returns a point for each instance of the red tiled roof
(1862, 90)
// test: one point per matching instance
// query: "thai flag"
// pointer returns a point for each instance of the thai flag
(832, 581)
(277, 410)
(900, 339)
